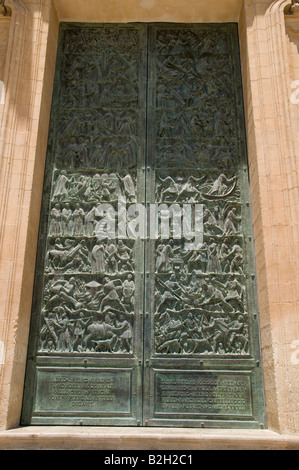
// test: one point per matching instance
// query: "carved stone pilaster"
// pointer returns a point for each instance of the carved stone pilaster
(24, 59)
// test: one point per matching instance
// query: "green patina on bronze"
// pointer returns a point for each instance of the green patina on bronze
(145, 332)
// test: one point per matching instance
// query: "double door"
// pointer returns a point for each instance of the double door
(132, 322)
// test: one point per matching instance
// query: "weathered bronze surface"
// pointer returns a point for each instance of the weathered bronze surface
(145, 332)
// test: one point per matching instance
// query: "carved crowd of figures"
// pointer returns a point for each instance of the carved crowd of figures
(195, 101)
(199, 304)
(99, 114)
(105, 187)
(93, 152)
(100, 256)
(206, 286)
(197, 314)
(213, 256)
(194, 154)
(193, 333)
(98, 40)
(183, 187)
(200, 297)
(93, 95)
(80, 316)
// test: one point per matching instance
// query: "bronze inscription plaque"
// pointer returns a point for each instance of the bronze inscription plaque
(203, 393)
(62, 391)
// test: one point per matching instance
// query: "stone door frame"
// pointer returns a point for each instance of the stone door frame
(272, 148)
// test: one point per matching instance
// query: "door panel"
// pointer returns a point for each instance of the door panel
(86, 349)
(132, 331)
(202, 356)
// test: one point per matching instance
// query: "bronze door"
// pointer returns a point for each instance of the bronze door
(131, 326)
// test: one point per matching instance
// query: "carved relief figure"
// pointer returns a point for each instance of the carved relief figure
(55, 221)
(98, 258)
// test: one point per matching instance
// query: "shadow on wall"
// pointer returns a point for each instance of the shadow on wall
(292, 9)
(5, 10)
(292, 22)
(2, 92)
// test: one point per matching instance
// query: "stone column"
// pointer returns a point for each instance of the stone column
(23, 137)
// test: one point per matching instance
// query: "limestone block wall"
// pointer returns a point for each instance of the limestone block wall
(269, 41)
